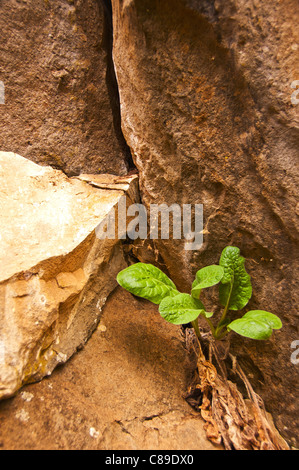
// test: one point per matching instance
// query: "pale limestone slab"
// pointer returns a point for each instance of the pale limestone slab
(55, 274)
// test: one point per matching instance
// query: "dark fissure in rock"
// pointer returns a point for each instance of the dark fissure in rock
(112, 84)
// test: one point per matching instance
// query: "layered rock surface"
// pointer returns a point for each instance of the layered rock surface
(207, 110)
(123, 391)
(55, 274)
(61, 103)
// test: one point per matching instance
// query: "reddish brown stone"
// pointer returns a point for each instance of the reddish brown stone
(60, 107)
(206, 106)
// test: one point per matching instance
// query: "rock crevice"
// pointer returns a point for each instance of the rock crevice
(205, 91)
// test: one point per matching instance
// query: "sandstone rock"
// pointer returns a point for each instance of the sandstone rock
(123, 391)
(55, 274)
(61, 104)
(207, 111)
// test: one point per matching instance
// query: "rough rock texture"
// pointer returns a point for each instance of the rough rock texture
(55, 274)
(61, 104)
(122, 392)
(205, 89)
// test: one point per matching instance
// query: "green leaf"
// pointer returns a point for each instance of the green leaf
(261, 315)
(235, 289)
(207, 314)
(256, 324)
(147, 281)
(181, 309)
(206, 277)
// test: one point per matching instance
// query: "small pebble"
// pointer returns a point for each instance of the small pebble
(27, 396)
(23, 416)
(102, 328)
(94, 433)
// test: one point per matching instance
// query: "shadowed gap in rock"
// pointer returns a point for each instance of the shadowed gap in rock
(112, 84)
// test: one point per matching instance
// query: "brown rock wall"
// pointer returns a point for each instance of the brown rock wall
(205, 91)
(60, 104)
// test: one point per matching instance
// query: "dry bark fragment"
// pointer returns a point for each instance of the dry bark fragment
(230, 419)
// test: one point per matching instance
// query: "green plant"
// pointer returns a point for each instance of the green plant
(235, 291)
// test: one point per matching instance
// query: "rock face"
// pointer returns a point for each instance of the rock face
(208, 111)
(123, 391)
(55, 274)
(60, 100)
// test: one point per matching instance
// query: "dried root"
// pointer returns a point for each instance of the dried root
(230, 419)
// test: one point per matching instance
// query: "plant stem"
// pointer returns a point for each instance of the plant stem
(227, 303)
(213, 330)
(217, 330)
(196, 328)
(222, 335)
